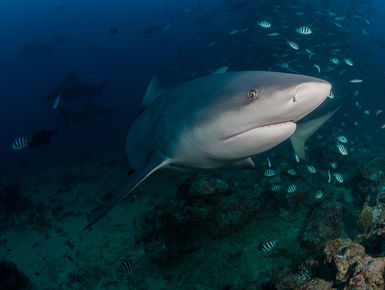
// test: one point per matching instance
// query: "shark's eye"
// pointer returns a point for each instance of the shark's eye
(253, 94)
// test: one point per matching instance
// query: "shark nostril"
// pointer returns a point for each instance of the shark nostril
(294, 100)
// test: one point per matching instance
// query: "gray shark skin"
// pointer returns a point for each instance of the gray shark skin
(215, 121)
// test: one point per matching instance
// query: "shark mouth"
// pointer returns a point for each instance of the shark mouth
(277, 124)
(273, 124)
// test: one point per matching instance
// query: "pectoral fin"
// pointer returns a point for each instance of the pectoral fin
(247, 163)
(155, 162)
(305, 130)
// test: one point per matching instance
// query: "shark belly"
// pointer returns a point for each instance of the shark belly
(199, 150)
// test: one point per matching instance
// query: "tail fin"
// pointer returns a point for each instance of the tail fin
(305, 130)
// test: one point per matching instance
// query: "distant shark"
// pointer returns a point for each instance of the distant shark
(91, 112)
(219, 120)
(72, 88)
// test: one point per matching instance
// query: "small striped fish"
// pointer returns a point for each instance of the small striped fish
(318, 194)
(275, 187)
(264, 24)
(311, 169)
(291, 188)
(132, 247)
(339, 177)
(20, 143)
(126, 268)
(335, 60)
(292, 172)
(304, 30)
(293, 45)
(342, 139)
(268, 246)
(75, 278)
(348, 61)
(269, 172)
(342, 149)
(333, 165)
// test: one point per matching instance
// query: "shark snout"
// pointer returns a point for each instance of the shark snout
(309, 96)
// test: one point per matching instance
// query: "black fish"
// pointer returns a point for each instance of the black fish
(126, 268)
(114, 31)
(41, 137)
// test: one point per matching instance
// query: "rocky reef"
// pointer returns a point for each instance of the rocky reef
(371, 223)
(205, 208)
(323, 225)
(355, 269)
(343, 265)
(11, 278)
(371, 180)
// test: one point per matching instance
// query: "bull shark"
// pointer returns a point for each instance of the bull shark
(218, 120)
(72, 88)
(90, 112)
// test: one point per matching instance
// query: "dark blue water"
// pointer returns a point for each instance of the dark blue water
(129, 59)
(127, 42)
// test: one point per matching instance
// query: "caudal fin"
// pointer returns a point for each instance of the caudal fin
(305, 130)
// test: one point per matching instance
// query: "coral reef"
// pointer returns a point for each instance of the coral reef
(324, 225)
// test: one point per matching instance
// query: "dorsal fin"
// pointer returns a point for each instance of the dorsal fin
(153, 91)
(220, 70)
(305, 130)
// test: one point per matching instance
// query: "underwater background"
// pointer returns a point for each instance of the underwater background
(283, 225)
